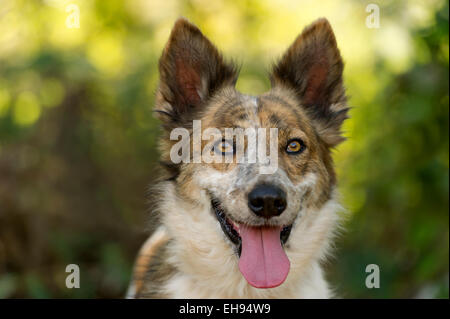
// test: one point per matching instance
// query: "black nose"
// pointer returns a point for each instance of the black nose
(267, 200)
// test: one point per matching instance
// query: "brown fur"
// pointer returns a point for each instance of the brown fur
(307, 101)
(317, 78)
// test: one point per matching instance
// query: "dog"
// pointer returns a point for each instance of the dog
(226, 230)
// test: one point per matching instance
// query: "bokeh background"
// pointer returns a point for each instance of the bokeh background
(77, 135)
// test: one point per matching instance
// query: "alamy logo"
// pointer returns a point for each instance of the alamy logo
(247, 145)
(373, 279)
(73, 279)
(373, 19)
(73, 19)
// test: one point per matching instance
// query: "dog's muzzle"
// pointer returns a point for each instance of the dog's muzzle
(267, 201)
(262, 260)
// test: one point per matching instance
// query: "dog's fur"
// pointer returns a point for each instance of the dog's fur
(189, 256)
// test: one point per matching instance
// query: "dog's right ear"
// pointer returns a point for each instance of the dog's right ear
(191, 71)
(312, 68)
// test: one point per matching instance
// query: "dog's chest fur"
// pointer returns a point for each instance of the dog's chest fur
(190, 257)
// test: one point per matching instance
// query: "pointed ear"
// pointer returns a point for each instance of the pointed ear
(191, 70)
(312, 67)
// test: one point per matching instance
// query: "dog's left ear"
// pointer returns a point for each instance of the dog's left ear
(191, 71)
(312, 67)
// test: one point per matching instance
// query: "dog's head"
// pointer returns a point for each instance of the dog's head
(257, 211)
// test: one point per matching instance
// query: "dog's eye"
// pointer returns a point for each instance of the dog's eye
(295, 146)
(224, 147)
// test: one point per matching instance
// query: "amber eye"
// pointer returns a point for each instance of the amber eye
(295, 146)
(224, 147)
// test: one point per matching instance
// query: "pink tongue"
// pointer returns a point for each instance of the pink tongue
(263, 261)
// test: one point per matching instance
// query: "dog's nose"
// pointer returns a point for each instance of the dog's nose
(267, 200)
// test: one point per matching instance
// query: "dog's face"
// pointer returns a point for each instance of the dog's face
(256, 210)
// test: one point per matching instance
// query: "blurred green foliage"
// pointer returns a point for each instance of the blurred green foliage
(77, 135)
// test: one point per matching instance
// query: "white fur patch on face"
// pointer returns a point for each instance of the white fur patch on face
(313, 233)
(254, 100)
(251, 107)
(215, 181)
(231, 188)
(208, 268)
(309, 181)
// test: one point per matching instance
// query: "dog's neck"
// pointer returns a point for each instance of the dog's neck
(208, 268)
(310, 285)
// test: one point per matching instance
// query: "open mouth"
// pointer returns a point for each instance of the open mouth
(262, 260)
